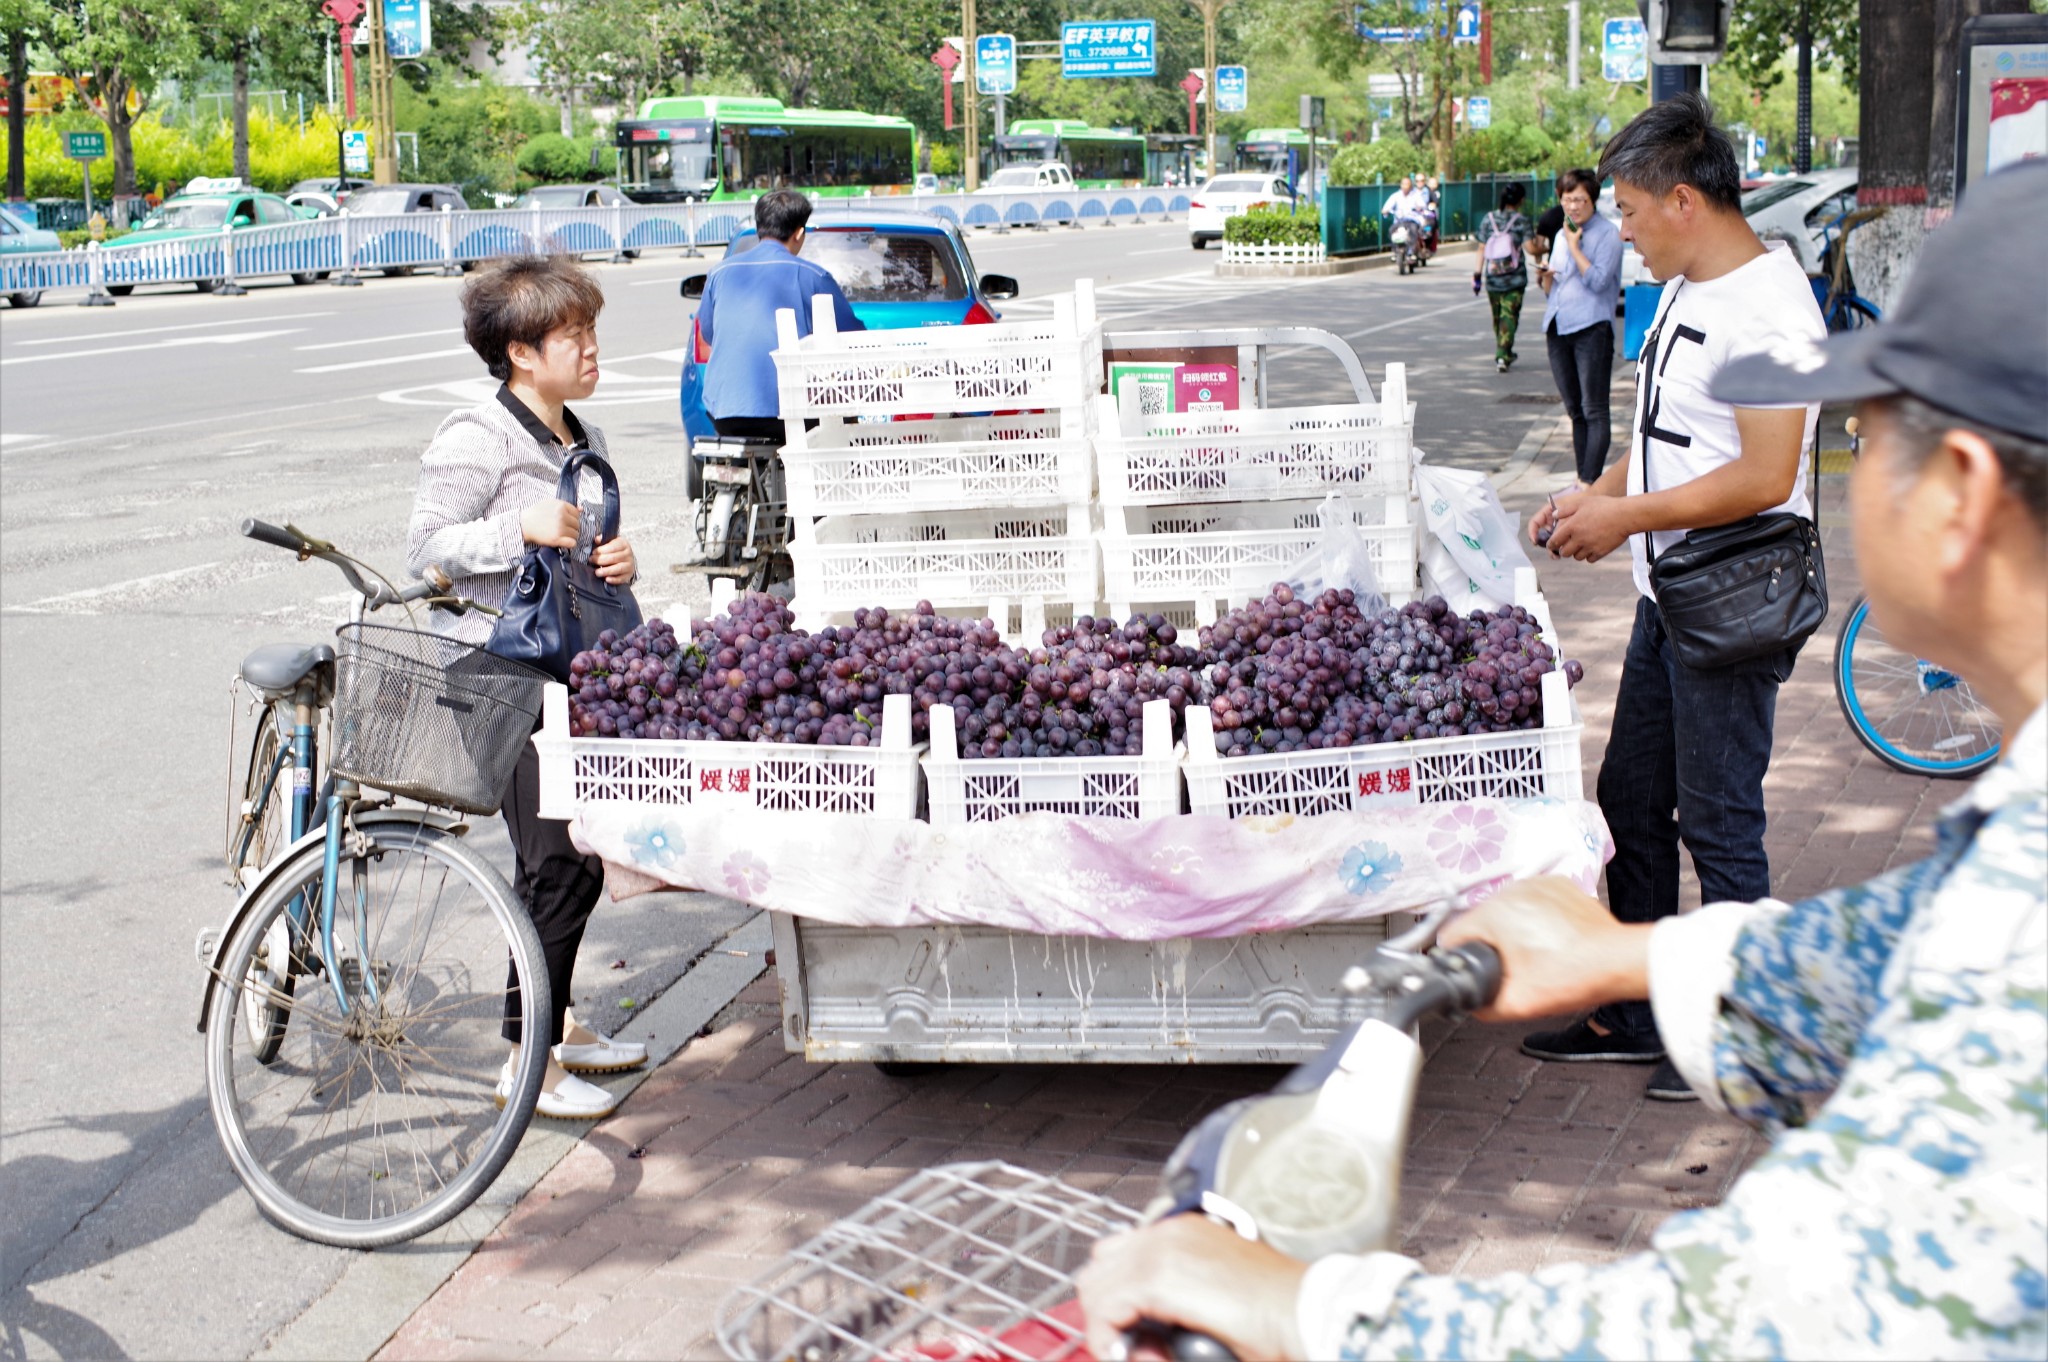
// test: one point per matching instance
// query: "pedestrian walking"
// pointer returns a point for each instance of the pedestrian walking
(1504, 270)
(487, 489)
(1582, 279)
(1689, 746)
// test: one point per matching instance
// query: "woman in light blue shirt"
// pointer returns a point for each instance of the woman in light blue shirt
(1583, 278)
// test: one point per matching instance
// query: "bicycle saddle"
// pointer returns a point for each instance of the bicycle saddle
(276, 668)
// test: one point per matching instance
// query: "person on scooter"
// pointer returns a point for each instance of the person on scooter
(1891, 1034)
(736, 319)
(1412, 207)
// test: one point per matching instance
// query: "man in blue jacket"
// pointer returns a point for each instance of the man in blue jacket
(737, 316)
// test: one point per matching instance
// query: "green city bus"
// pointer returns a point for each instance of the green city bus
(732, 147)
(1099, 158)
(1265, 151)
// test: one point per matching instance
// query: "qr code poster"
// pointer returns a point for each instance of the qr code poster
(1149, 388)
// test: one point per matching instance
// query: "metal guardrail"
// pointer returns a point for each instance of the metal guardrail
(352, 244)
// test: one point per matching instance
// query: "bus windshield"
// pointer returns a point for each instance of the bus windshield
(671, 159)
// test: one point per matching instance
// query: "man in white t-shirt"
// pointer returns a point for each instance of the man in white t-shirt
(1689, 747)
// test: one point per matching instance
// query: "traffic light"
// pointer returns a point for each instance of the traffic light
(1686, 32)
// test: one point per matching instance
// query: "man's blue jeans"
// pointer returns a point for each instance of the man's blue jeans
(1685, 760)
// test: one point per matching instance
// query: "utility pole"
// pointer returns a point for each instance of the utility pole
(970, 126)
(1572, 45)
(1210, 9)
(383, 142)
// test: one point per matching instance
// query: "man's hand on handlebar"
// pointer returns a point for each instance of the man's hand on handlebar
(1190, 1271)
(1561, 951)
(551, 524)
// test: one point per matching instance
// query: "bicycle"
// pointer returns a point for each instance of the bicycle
(1841, 306)
(354, 1000)
(1914, 715)
(977, 1260)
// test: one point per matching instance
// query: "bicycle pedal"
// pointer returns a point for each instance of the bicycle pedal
(351, 971)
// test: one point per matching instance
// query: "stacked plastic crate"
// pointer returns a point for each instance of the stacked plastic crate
(948, 464)
(1202, 510)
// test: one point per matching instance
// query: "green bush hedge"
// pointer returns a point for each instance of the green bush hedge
(1381, 162)
(1275, 226)
(551, 158)
(280, 155)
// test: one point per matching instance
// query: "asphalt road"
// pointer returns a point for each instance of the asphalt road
(133, 440)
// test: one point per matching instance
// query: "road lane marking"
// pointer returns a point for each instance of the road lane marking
(10, 438)
(69, 598)
(187, 326)
(387, 359)
(1403, 321)
(665, 283)
(1163, 250)
(174, 343)
(379, 340)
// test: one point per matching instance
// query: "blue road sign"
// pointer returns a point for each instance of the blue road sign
(1625, 51)
(995, 63)
(1467, 28)
(1114, 47)
(1233, 87)
(355, 152)
(1479, 112)
(1757, 147)
(408, 27)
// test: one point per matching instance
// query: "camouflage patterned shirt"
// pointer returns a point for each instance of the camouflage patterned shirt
(1907, 1216)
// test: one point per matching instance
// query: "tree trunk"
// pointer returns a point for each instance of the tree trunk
(1896, 93)
(17, 115)
(1941, 132)
(241, 110)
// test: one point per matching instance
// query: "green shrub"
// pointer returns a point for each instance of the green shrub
(1503, 149)
(1275, 226)
(945, 158)
(552, 158)
(1381, 162)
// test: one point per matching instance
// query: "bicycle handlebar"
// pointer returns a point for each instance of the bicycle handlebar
(435, 591)
(264, 532)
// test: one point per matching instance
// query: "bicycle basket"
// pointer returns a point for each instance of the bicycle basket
(430, 718)
(966, 1261)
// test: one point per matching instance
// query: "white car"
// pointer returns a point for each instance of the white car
(1028, 175)
(1225, 197)
(1798, 208)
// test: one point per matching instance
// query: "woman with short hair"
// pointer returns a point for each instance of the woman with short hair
(1583, 279)
(487, 491)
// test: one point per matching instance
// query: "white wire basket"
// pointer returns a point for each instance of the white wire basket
(981, 560)
(1211, 554)
(1031, 459)
(1043, 364)
(967, 1260)
(984, 789)
(1256, 454)
(879, 781)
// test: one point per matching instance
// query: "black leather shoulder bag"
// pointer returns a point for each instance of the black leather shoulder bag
(558, 605)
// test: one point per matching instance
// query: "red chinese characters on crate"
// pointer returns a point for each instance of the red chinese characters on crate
(1376, 784)
(737, 780)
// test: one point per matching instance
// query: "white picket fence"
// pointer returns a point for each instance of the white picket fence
(355, 244)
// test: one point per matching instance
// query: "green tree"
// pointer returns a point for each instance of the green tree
(242, 33)
(21, 22)
(1763, 32)
(114, 48)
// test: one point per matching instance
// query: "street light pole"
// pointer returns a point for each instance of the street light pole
(972, 89)
(1210, 9)
(383, 141)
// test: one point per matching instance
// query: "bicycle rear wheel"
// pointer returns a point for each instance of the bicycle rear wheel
(1917, 717)
(1851, 313)
(259, 828)
(373, 1124)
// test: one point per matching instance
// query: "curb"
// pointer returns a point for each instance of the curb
(380, 1290)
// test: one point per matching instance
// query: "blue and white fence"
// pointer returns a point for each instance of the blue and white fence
(357, 244)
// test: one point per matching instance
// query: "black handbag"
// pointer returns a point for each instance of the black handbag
(1739, 591)
(558, 605)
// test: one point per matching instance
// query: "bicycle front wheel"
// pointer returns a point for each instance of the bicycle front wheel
(388, 1101)
(1917, 717)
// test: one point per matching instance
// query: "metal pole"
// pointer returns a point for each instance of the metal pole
(1210, 9)
(1002, 117)
(384, 145)
(971, 125)
(1572, 42)
(1802, 137)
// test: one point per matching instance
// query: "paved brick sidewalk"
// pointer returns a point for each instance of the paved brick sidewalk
(735, 1151)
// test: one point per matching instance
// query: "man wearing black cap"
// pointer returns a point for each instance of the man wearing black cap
(1893, 1035)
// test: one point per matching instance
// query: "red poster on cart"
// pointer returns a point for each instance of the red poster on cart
(1205, 387)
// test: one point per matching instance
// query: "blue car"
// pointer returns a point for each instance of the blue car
(897, 269)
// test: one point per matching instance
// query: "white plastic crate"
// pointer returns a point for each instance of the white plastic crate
(1045, 364)
(979, 560)
(944, 464)
(983, 789)
(1522, 764)
(881, 782)
(1256, 454)
(1232, 553)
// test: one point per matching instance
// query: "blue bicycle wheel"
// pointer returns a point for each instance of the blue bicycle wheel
(1916, 716)
(1851, 313)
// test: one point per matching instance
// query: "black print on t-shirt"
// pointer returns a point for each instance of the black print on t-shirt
(1655, 368)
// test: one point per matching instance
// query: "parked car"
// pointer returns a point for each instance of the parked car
(1798, 208)
(897, 269)
(927, 183)
(202, 210)
(1029, 175)
(19, 236)
(1225, 197)
(571, 196)
(384, 199)
(324, 197)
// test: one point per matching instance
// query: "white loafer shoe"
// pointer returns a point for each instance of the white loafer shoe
(572, 1099)
(604, 1057)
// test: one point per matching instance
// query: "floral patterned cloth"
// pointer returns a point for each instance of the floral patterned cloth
(1066, 876)
(1906, 1216)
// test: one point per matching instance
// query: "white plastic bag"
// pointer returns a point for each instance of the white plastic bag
(1341, 559)
(1473, 546)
